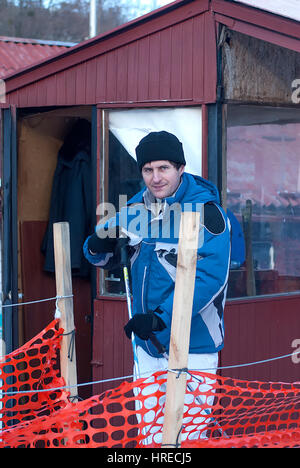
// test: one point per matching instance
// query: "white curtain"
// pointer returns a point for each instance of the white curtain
(131, 125)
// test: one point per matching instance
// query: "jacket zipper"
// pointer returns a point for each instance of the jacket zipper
(143, 289)
(143, 308)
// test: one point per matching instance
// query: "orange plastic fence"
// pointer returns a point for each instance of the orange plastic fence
(32, 367)
(218, 411)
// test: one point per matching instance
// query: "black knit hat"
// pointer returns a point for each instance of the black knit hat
(158, 146)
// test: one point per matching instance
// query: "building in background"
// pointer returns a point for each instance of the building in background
(18, 53)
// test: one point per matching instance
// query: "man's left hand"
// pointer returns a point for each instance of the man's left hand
(143, 325)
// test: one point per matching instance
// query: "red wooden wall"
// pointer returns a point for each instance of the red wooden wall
(255, 330)
(259, 329)
(37, 284)
(112, 350)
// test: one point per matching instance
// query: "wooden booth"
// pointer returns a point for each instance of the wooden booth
(223, 77)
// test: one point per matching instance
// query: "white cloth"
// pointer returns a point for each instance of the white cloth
(202, 362)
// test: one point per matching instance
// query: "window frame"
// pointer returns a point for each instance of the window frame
(220, 159)
(103, 163)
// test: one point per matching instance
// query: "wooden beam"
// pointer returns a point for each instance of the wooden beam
(180, 327)
(63, 277)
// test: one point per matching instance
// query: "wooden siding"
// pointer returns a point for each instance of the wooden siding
(255, 330)
(37, 284)
(112, 351)
(166, 66)
(260, 329)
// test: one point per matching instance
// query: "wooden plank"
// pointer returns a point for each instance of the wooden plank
(122, 73)
(101, 67)
(80, 83)
(51, 90)
(91, 77)
(61, 88)
(111, 76)
(181, 325)
(143, 69)
(187, 60)
(209, 60)
(165, 63)
(198, 55)
(154, 68)
(71, 86)
(62, 256)
(176, 62)
(132, 70)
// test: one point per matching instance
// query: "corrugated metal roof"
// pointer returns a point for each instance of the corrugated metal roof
(18, 53)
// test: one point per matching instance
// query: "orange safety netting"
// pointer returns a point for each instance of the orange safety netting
(32, 367)
(218, 411)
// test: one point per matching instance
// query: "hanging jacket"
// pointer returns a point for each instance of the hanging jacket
(71, 201)
(154, 244)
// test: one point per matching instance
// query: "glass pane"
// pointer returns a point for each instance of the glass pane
(124, 180)
(125, 128)
(263, 195)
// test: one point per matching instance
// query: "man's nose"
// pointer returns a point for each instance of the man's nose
(156, 176)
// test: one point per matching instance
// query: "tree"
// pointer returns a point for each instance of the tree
(66, 20)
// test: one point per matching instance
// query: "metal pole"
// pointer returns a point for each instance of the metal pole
(128, 297)
(93, 18)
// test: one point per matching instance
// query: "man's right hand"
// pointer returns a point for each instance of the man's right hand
(97, 245)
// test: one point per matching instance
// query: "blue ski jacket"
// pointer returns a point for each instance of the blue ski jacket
(154, 245)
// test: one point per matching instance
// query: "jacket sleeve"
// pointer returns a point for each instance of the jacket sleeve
(213, 259)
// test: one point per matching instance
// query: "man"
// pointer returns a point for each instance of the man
(153, 252)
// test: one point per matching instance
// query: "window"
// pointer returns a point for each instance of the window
(123, 129)
(263, 196)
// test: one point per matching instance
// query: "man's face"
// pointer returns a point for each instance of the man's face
(161, 178)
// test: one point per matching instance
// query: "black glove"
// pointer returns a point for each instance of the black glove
(97, 245)
(143, 325)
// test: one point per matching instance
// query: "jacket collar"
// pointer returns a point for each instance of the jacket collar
(192, 189)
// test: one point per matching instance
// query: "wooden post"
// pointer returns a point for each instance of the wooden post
(180, 327)
(62, 256)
